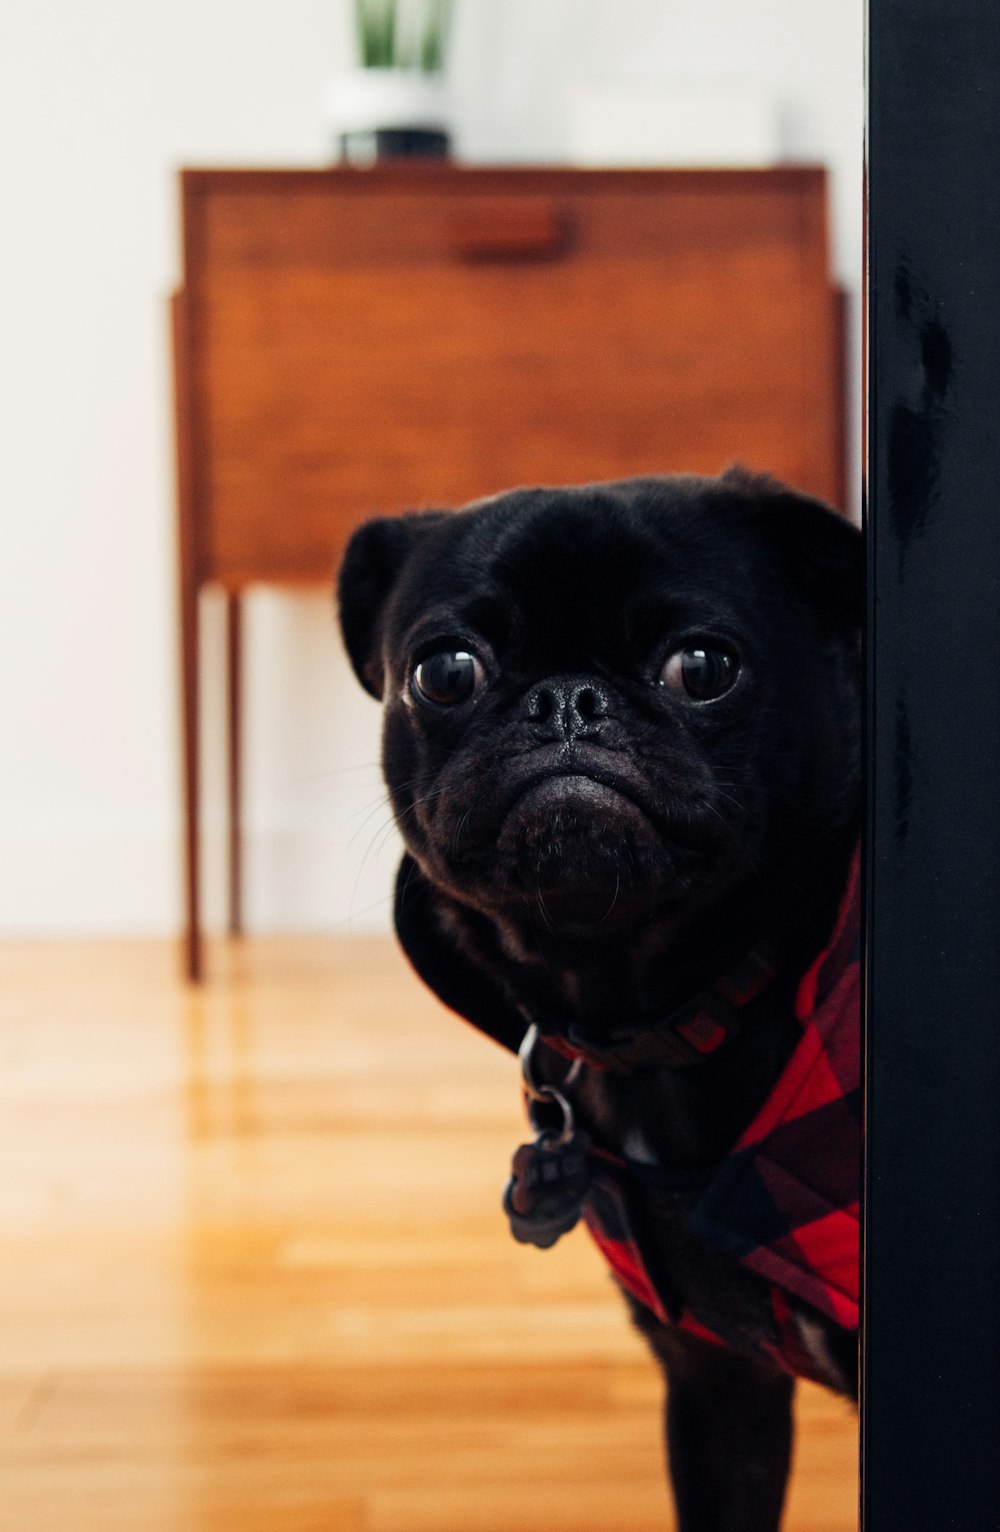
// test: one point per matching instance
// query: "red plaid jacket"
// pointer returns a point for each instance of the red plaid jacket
(785, 1203)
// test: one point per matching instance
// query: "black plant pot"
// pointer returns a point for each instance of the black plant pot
(365, 147)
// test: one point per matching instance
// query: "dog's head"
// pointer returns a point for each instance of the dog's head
(614, 703)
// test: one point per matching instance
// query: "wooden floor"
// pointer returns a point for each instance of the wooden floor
(254, 1276)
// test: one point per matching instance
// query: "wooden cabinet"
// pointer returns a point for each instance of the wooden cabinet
(353, 342)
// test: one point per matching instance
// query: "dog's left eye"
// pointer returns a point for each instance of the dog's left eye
(703, 671)
(446, 678)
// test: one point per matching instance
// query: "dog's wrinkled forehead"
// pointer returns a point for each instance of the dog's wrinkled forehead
(674, 556)
(568, 563)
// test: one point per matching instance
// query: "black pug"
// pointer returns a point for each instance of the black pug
(622, 742)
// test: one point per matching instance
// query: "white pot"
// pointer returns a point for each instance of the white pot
(368, 101)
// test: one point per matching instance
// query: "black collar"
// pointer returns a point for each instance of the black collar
(689, 1034)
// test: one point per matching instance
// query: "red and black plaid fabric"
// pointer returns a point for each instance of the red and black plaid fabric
(786, 1201)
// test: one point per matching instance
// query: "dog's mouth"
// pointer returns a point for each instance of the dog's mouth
(591, 774)
(578, 838)
(581, 847)
(559, 791)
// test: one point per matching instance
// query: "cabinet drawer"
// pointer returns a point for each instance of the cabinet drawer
(366, 341)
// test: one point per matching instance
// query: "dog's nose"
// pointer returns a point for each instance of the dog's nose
(567, 708)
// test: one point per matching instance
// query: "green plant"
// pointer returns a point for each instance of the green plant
(403, 34)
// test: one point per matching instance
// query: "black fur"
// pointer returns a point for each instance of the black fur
(593, 845)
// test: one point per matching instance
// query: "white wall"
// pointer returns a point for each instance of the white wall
(99, 103)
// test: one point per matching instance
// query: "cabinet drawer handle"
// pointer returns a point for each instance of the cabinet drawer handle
(509, 229)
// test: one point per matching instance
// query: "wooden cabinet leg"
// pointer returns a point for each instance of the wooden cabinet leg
(234, 701)
(190, 656)
(190, 649)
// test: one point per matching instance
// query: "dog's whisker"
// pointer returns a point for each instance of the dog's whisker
(392, 822)
(333, 771)
(381, 802)
(614, 897)
(346, 924)
(459, 830)
(381, 834)
(544, 912)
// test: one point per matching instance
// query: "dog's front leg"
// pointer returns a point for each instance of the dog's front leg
(729, 1434)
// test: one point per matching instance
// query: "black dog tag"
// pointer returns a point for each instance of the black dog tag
(544, 1196)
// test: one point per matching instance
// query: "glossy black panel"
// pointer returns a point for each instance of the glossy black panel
(931, 1421)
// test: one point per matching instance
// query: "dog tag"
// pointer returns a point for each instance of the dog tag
(544, 1197)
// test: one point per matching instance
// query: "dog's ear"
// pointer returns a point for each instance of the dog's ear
(371, 567)
(821, 549)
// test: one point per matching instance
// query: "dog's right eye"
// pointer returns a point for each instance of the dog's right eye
(446, 678)
(702, 671)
